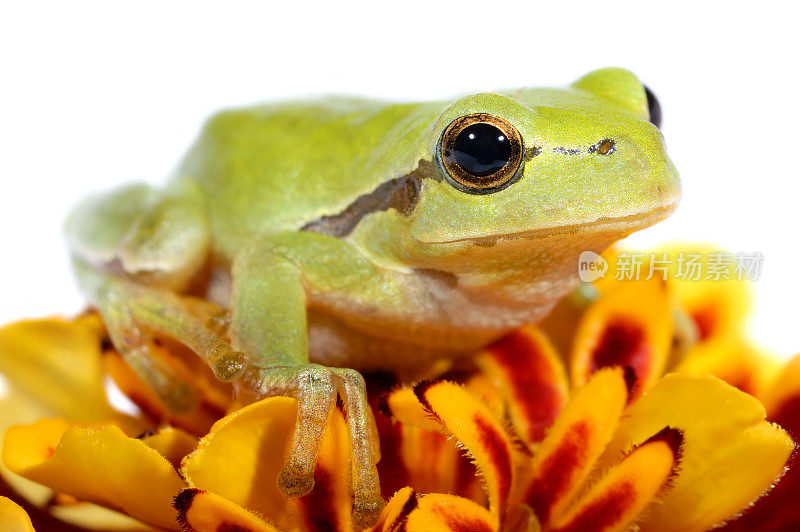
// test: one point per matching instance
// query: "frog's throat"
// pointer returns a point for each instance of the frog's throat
(623, 225)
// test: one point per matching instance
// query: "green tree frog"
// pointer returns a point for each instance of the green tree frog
(345, 234)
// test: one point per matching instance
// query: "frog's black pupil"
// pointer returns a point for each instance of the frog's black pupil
(481, 149)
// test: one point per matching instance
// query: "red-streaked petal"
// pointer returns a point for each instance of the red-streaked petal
(631, 326)
(566, 455)
(619, 497)
(529, 373)
(455, 411)
(447, 513)
(396, 512)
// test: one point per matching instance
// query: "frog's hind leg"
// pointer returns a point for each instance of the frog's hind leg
(135, 313)
(133, 249)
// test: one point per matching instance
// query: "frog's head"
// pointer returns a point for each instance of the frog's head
(584, 165)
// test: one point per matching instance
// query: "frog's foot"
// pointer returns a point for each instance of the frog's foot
(175, 393)
(134, 314)
(316, 388)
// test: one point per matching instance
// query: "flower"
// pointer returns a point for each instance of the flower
(641, 407)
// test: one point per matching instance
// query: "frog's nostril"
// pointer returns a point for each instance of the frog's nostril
(604, 147)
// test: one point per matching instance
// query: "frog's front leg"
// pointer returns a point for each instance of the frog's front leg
(135, 313)
(271, 283)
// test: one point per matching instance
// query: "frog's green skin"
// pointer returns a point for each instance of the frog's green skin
(332, 235)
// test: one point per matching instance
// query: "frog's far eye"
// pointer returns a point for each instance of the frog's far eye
(653, 106)
(481, 153)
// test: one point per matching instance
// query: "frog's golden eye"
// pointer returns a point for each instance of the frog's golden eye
(481, 153)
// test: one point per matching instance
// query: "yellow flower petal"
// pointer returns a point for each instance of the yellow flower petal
(57, 364)
(526, 369)
(784, 391)
(730, 453)
(404, 405)
(718, 308)
(171, 443)
(100, 465)
(90, 516)
(241, 457)
(734, 361)
(459, 413)
(618, 498)
(13, 518)
(778, 509)
(18, 410)
(432, 463)
(202, 511)
(447, 513)
(630, 326)
(566, 456)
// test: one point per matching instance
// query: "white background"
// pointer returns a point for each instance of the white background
(94, 94)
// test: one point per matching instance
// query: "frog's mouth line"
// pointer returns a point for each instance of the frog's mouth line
(624, 225)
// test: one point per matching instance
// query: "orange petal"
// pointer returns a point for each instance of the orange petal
(197, 422)
(13, 518)
(396, 511)
(454, 411)
(731, 454)
(566, 455)
(100, 465)
(202, 511)
(630, 326)
(447, 513)
(18, 410)
(620, 496)
(241, 457)
(522, 519)
(529, 373)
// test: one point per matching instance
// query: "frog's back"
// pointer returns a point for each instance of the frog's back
(278, 167)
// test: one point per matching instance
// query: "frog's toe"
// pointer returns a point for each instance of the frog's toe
(294, 481)
(367, 511)
(314, 388)
(367, 501)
